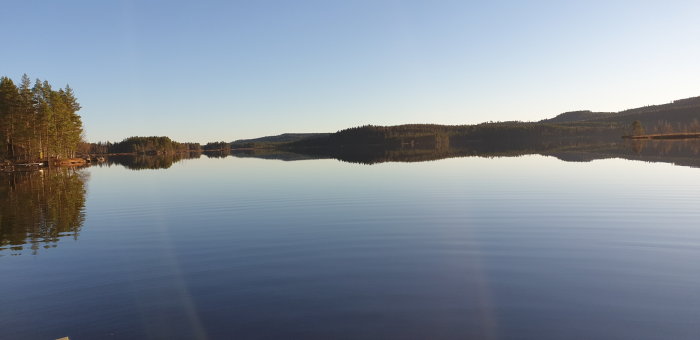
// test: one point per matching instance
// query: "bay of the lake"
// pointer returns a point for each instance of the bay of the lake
(525, 247)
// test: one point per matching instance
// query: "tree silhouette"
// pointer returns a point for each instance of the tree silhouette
(637, 128)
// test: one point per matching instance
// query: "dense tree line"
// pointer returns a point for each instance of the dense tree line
(38, 122)
(145, 146)
(156, 146)
(223, 147)
(433, 136)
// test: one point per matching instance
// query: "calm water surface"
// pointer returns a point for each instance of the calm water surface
(503, 248)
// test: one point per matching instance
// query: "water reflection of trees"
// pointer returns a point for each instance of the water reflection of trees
(39, 208)
(218, 153)
(273, 154)
(680, 152)
(141, 162)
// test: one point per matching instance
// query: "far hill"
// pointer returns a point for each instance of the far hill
(680, 116)
(577, 116)
(271, 140)
(687, 103)
(675, 115)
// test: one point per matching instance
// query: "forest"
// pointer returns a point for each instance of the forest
(38, 122)
(154, 145)
(222, 147)
(429, 136)
(680, 116)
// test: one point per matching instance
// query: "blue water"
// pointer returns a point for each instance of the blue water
(480, 248)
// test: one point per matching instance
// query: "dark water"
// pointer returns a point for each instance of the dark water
(480, 248)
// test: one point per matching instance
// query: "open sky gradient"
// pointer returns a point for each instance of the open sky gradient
(223, 70)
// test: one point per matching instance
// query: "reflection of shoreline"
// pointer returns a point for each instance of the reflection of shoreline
(679, 152)
(683, 152)
(39, 208)
(143, 161)
(272, 154)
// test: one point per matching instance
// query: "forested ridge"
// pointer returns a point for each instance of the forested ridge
(445, 136)
(680, 116)
(38, 122)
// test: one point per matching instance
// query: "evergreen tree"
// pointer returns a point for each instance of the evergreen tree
(9, 100)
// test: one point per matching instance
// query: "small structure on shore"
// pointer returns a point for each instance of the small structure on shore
(69, 162)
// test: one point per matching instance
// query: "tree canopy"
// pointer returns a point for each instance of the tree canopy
(38, 122)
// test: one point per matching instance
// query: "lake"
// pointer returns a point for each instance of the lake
(527, 247)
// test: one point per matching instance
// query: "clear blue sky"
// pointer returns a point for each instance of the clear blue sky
(224, 70)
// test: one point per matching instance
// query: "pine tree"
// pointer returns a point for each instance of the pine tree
(9, 100)
(28, 117)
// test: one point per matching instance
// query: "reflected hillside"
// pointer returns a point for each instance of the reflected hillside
(39, 208)
(142, 162)
(217, 154)
(679, 152)
(276, 154)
